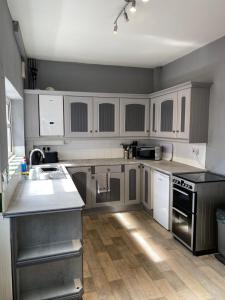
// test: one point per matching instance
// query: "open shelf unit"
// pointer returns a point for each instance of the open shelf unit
(48, 252)
(47, 256)
(73, 290)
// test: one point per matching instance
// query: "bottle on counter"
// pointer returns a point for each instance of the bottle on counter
(126, 154)
(130, 155)
(23, 166)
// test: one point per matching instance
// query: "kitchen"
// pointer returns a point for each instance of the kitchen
(112, 159)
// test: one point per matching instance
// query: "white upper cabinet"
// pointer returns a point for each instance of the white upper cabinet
(154, 117)
(167, 115)
(51, 115)
(106, 117)
(78, 116)
(181, 112)
(134, 117)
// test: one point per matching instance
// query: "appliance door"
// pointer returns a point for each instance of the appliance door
(161, 198)
(183, 227)
(183, 215)
(146, 153)
(183, 199)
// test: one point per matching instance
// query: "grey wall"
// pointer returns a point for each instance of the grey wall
(205, 64)
(10, 67)
(94, 78)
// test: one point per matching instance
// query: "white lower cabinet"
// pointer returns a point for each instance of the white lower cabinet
(161, 198)
(146, 187)
(108, 189)
(81, 177)
(132, 184)
(120, 185)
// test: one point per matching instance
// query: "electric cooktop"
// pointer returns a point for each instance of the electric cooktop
(201, 177)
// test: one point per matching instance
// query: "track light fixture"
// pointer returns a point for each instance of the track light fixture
(115, 30)
(123, 11)
(133, 6)
(126, 16)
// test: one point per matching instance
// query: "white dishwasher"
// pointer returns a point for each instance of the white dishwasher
(161, 198)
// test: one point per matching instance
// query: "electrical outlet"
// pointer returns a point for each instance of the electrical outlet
(195, 150)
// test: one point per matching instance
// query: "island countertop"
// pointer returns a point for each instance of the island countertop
(42, 196)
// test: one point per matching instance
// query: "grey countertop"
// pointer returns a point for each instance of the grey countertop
(41, 196)
(169, 167)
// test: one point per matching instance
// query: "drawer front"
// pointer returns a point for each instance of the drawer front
(105, 169)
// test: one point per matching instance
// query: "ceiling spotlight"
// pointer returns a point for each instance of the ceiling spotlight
(145, 0)
(133, 6)
(126, 16)
(115, 30)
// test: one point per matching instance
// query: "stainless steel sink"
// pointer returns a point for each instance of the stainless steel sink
(48, 172)
(49, 169)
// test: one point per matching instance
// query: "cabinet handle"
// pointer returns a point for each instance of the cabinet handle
(92, 177)
(96, 130)
(174, 131)
(108, 170)
(90, 131)
(177, 131)
(147, 130)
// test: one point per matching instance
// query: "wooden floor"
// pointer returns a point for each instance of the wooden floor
(130, 256)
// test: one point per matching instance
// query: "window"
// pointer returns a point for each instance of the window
(9, 126)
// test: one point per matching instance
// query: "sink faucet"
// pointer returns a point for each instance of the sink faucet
(32, 152)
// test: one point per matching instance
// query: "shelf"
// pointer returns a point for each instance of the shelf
(49, 252)
(73, 290)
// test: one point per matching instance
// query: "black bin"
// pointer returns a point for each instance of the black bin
(220, 217)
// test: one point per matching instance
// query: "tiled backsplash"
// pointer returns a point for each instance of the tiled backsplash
(190, 154)
(89, 149)
(111, 148)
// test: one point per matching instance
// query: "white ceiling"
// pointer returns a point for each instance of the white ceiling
(81, 30)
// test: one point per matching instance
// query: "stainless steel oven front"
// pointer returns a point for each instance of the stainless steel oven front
(183, 213)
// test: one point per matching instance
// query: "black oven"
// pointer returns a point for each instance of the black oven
(183, 215)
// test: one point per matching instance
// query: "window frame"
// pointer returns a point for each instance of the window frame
(9, 127)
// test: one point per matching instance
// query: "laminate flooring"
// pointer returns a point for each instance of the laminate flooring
(128, 256)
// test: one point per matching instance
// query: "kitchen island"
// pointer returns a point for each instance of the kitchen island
(46, 239)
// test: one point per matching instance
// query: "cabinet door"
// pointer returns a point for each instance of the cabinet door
(154, 117)
(82, 179)
(78, 116)
(31, 116)
(51, 115)
(134, 117)
(161, 198)
(115, 195)
(132, 184)
(146, 187)
(183, 113)
(106, 117)
(168, 115)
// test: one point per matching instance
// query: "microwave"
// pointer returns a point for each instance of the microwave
(149, 152)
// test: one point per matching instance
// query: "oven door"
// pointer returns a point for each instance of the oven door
(183, 227)
(183, 215)
(183, 199)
